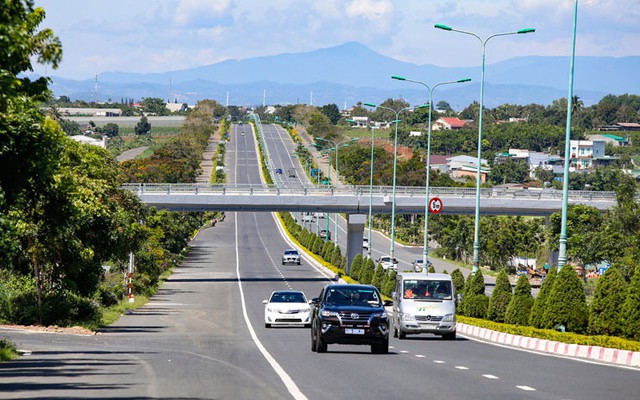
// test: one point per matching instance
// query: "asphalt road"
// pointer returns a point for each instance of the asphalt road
(202, 336)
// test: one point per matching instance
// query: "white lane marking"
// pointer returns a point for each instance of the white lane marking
(420, 356)
(490, 376)
(403, 351)
(461, 367)
(526, 388)
(438, 361)
(293, 389)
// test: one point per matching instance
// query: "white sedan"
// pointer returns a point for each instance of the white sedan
(287, 307)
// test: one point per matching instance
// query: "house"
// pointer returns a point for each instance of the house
(91, 112)
(534, 160)
(610, 139)
(588, 154)
(461, 167)
(361, 122)
(90, 140)
(620, 126)
(415, 133)
(449, 123)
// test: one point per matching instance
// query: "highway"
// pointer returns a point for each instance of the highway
(202, 336)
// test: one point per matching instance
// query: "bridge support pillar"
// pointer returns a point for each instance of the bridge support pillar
(355, 231)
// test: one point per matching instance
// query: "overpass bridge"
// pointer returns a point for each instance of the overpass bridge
(355, 199)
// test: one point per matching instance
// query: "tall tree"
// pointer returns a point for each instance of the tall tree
(519, 308)
(608, 299)
(567, 305)
(500, 298)
(332, 112)
(630, 313)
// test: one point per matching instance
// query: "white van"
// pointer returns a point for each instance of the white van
(424, 303)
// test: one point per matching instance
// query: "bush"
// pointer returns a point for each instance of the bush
(336, 256)
(356, 265)
(378, 277)
(366, 274)
(474, 301)
(519, 308)
(500, 298)
(608, 299)
(458, 280)
(432, 269)
(630, 315)
(567, 305)
(536, 319)
(390, 285)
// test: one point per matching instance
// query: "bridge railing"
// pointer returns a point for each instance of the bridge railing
(345, 190)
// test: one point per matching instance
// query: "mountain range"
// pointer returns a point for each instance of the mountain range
(351, 73)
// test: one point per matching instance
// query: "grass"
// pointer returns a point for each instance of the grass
(362, 133)
(7, 350)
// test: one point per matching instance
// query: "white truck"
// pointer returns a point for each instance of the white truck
(424, 303)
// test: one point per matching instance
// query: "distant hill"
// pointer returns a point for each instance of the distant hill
(352, 72)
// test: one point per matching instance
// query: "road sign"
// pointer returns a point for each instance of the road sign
(435, 205)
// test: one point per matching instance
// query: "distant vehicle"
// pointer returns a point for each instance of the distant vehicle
(307, 217)
(365, 243)
(287, 307)
(418, 264)
(320, 215)
(242, 133)
(290, 256)
(350, 314)
(386, 263)
(424, 303)
(279, 171)
(325, 234)
(291, 172)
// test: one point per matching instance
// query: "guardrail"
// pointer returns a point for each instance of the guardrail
(357, 190)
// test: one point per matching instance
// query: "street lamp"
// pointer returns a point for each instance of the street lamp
(562, 254)
(336, 147)
(425, 250)
(395, 164)
(370, 187)
(476, 236)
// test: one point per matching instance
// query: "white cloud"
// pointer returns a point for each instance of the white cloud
(376, 10)
(200, 13)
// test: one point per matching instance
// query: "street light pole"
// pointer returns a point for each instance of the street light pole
(476, 235)
(425, 249)
(337, 146)
(370, 187)
(395, 165)
(562, 255)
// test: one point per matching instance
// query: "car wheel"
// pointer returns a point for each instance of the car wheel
(267, 325)
(395, 331)
(298, 262)
(449, 336)
(380, 348)
(313, 341)
(321, 345)
(401, 335)
(283, 263)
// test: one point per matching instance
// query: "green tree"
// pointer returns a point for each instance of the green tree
(332, 112)
(630, 314)
(367, 272)
(475, 302)
(390, 284)
(111, 130)
(500, 298)
(566, 305)
(143, 127)
(540, 304)
(608, 299)
(356, 265)
(519, 309)
(154, 106)
(431, 269)
(378, 276)
(458, 280)
(336, 256)
(509, 171)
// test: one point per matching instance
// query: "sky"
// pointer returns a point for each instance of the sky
(167, 35)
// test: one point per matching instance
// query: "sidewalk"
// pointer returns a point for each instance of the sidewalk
(207, 163)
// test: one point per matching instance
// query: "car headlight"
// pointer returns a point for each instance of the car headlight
(379, 315)
(449, 318)
(407, 317)
(269, 309)
(326, 313)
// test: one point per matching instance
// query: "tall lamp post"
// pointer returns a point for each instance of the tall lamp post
(395, 164)
(476, 235)
(370, 186)
(336, 145)
(562, 254)
(425, 250)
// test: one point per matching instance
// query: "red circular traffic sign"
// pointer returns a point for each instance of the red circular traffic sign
(435, 205)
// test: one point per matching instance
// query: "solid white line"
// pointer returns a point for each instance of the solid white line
(526, 388)
(293, 389)
(490, 376)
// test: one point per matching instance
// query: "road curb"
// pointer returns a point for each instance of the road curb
(594, 353)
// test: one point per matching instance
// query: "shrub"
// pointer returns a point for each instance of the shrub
(474, 301)
(608, 299)
(317, 245)
(536, 319)
(336, 256)
(630, 315)
(431, 269)
(378, 277)
(458, 280)
(500, 298)
(519, 308)
(356, 264)
(566, 305)
(366, 275)
(390, 285)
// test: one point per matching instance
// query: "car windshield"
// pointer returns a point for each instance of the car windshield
(288, 297)
(427, 289)
(344, 296)
(291, 252)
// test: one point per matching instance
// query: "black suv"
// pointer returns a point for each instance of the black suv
(350, 314)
